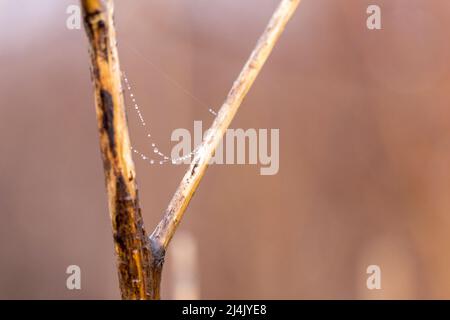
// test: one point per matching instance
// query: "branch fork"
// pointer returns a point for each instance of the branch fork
(140, 258)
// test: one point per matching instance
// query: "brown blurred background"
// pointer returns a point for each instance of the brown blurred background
(364, 119)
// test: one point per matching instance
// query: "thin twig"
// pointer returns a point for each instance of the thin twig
(166, 228)
(135, 256)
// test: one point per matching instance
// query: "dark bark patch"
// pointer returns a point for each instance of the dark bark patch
(91, 15)
(88, 18)
(193, 169)
(103, 39)
(108, 118)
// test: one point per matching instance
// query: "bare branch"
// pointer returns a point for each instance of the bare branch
(132, 246)
(140, 259)
(166, 228)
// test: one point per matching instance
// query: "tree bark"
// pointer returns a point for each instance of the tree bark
(133, 249)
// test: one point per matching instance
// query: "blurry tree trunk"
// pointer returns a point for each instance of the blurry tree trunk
(141, 258)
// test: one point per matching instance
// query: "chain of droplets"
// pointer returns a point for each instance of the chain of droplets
(162, 157)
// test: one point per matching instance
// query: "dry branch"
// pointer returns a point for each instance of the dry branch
(166, 228)
(132, 246)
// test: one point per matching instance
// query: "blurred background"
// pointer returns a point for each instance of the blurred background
(364, 177)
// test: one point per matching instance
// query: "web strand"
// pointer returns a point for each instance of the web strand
(161, 157)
